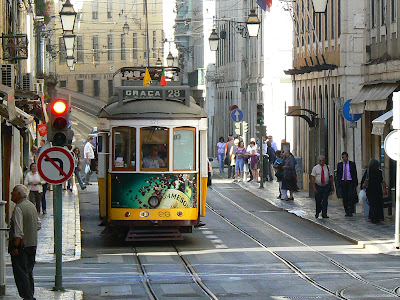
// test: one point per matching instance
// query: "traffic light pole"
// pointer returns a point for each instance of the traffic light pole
(57, 217)
(261, 161)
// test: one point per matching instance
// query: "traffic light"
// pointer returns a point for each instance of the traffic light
(59, 133)
(245, 127)
(260, 114)
(238, 128)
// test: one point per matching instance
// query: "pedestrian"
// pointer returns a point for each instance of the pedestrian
(22, 241)
(240, 156)
(278, 164)
(273, 144)
(69, 181)
(32, 154)
(322, 182)
(220, 149)
(374, 184)
(228, 147)
(88, 153)
(252, 151)
(34, 183)
(289, 171)
(78, 167)
(45, 184)
(271, 160)
(346, 176)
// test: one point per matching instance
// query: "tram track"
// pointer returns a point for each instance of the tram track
(146, 281)
(338, 293)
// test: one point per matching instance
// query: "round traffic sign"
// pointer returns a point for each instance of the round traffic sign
(237, 115)
(347, 115)
(391, 144)
(56, 165)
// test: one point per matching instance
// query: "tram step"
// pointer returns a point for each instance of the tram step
(167, 234)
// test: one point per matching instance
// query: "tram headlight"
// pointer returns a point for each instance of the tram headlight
(154, 201)
(127, 214)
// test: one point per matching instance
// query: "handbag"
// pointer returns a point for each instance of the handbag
(366, 181)
(226, 161)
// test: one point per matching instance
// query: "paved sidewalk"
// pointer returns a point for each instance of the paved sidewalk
(45, 250)
(376, 238)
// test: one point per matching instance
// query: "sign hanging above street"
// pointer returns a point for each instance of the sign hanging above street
(56, 165)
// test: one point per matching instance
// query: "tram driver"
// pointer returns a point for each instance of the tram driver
(153, 160)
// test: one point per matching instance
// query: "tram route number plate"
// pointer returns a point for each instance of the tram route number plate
(171, 93)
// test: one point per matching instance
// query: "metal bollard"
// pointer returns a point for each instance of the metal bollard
(3, 231)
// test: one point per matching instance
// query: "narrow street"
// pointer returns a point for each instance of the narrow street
(247, 249)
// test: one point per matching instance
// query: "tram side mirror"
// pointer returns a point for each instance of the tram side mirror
(99, 144)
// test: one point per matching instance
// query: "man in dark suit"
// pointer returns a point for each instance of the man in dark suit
(346, 175)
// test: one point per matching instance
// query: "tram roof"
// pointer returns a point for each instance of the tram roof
(152, 102)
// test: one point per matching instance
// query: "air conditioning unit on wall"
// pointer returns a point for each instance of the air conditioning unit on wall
(7, 75)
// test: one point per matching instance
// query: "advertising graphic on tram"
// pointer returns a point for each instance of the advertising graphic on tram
(162, 191)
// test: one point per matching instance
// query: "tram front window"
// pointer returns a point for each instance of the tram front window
(124, 147)
(154, 148)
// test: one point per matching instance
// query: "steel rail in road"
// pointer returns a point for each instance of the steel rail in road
(144, 278)
(189, 268)
(194, 275)
(290, 264)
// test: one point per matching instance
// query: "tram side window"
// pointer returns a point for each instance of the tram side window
(154, 141)
(184, 149)
(124, 147)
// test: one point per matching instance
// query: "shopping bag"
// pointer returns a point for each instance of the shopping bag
(87, 169)
(362, 196)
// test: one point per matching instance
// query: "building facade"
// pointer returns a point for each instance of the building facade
(239, 67)
(102, 47)
(328, 54)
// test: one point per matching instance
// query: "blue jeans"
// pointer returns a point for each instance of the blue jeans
(239, 165)
(321, 199)
(221, 157)
(78, 177)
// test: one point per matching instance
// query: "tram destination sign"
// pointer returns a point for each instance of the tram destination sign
(180, 93)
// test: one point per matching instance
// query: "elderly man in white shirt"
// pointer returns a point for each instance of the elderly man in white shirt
(322, 181)
(88, 153)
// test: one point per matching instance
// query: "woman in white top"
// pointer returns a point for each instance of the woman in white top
(34, 184)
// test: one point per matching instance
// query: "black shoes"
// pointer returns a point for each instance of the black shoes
(325, 217)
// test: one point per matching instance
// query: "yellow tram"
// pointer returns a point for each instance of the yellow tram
(152, 168)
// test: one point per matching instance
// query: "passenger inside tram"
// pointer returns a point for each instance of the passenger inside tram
(154, 158)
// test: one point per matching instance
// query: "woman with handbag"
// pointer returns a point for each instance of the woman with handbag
(375, 187)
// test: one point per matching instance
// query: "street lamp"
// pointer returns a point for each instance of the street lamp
(170, 59)
(70, 61)
(214, 40)
(158, 62)
(68, 16)
(253, 23)
(125, 28)
(73, 67)
(319, 6)
(69, 40)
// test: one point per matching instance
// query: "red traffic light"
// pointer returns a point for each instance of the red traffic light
(59, 107)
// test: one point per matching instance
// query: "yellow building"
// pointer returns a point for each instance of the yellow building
(101, 47)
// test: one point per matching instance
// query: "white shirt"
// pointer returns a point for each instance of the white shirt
(250, 150)
(30, 177)
(316, 172)
(89, 150)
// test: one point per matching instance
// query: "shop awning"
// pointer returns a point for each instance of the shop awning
(378, 125)
(372, 97)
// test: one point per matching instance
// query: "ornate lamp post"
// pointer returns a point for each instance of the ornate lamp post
(214, 40)
(319, 6)
(68, 17)
(170, 59)
(253, 23)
